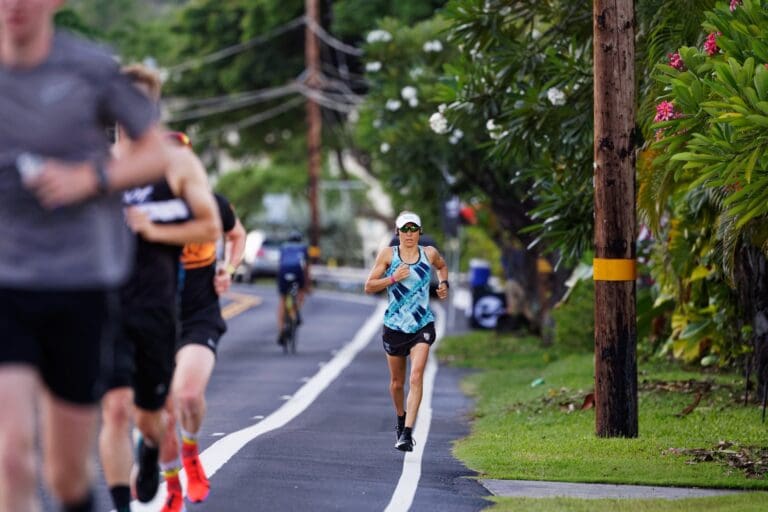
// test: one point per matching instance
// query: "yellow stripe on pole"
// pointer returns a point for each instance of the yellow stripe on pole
(609, 269)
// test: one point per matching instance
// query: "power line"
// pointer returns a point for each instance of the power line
(328, 39)
(243, 101)
(324, 100)
(237, 48)
(255, 119)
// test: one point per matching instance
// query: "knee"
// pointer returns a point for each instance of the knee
(17, 460)
(396, 385)
(69, 484)
(117, 411)
(118, 417)
(416, 379)
(189, 401)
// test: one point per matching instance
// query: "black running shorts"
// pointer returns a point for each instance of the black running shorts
(67, 335)
(399, 343)
(144, 354)
(286, 278)
(204, 326)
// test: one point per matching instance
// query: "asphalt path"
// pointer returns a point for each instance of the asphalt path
(315, 430)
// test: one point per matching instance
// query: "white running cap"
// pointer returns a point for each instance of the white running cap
(407, 217)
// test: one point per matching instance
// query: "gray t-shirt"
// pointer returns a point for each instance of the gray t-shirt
(60, 110)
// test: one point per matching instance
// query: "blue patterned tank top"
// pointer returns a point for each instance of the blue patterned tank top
(408, 309)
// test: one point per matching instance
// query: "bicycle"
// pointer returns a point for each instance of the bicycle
(291, 318)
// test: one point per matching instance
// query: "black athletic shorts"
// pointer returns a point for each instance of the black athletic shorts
(144, 354)
(67, 335)
(399, 343)
(287, 276)
(205, 326)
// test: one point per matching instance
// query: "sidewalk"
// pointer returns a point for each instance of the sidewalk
(536, 489)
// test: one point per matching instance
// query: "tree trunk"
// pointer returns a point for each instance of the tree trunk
(614, 178)
(751, 277)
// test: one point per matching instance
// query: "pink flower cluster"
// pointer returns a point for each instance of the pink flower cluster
(665, 111)
(735, 4)
(676, 61)
(710, 45)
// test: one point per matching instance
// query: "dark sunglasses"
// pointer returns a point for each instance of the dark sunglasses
(409, 229)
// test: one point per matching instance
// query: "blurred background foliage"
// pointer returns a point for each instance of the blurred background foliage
(491, 101)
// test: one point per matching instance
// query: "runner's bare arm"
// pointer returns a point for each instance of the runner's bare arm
(438, 263)
(188, 180)
(235, 244)
(375, 282)
(60, 184)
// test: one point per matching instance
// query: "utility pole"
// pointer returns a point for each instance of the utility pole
(314, 125)
(615, 253)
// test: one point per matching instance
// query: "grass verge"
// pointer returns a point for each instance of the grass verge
(748, 502)
(538, 432)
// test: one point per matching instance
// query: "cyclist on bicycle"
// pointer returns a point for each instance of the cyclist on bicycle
(293, 267)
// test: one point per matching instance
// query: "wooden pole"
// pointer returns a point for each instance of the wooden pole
(314, 126)
(614, 178)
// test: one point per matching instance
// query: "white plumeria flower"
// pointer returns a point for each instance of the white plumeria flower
(377, 123)
(441, 108)
(456, 136)
(233, 137)
(413, 102)
(373, 67)
(409, 92)
(393, 105)
(495, 131)
(556, 96)
(433, 46)
(384, 148)
(535, 35)
(438, 123)
(378, 36)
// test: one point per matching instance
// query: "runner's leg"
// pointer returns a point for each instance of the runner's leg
(194, 365)
(419, 355)
(115, 446)
(68, 431)
(397, 366)
(18, 391)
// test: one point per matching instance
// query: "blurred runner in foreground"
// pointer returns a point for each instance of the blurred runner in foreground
(65, 248)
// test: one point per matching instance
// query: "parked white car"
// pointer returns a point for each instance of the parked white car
(260, 258)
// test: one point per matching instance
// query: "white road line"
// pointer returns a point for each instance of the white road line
(220, 452)
(402, 498)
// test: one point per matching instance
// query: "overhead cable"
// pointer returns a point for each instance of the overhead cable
(244, 101)
(328, 39)
(254, 119)
(237, 48)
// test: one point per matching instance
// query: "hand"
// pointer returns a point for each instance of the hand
(442, 291)
(401, 272)
(60, 184)
(139, 222)
(222, 281)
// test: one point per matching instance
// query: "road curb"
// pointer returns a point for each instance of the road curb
(539, 489)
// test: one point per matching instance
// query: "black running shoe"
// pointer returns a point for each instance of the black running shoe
(281, 339)
(399, 427)
(405, 442)
(148, 476)
(298, 318)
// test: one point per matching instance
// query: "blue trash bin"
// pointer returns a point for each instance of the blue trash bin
(479, 272)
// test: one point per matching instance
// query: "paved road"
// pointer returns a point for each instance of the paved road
(315, 431)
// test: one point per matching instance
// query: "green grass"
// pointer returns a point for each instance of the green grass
(748, 502)
(523, 432)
